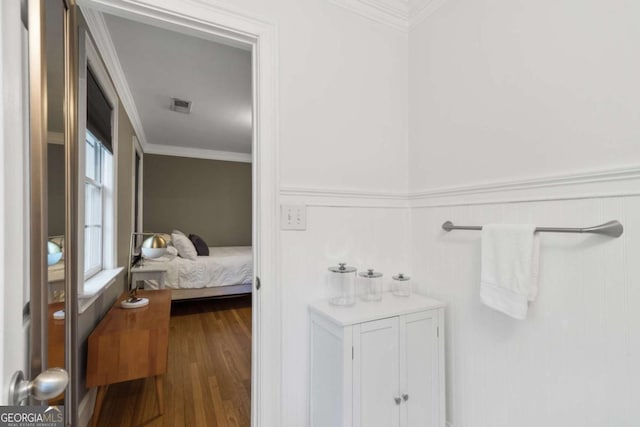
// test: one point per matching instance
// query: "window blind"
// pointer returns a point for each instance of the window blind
(98, 112)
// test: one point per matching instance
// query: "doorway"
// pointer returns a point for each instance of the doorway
(180, 166)
(205, 21)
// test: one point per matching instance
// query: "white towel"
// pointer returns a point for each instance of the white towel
(509, 278)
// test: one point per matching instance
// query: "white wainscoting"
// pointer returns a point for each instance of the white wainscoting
(574, 361)
(365, 237)
(571, 363)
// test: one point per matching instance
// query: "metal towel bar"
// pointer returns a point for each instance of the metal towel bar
(611, 228)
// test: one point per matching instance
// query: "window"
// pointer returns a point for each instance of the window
(98, 185)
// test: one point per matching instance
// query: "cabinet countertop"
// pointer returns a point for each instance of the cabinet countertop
(365, 311)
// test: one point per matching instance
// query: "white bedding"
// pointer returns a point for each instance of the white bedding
(225, 266)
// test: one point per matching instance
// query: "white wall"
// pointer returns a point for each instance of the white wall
(504, 90)
(343, 126)
(343, 96)
(517, 88)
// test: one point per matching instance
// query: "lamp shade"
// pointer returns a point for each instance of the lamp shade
(54, 253)
(154, 247)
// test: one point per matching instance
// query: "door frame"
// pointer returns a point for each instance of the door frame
(220, 24)
(14, 195)
(136, 223)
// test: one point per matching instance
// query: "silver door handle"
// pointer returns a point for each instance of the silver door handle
(405, 397)
(397, 399)
(45, 386)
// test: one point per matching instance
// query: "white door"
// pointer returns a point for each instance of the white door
(376, 374)
(419, 382)
(14, 265)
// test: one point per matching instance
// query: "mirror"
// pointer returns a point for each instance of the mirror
(54, 11)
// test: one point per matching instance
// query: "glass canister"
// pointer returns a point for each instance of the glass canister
(371, 285)
(342, 285)
(401, 285)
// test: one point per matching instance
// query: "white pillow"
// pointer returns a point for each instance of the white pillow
(184, 246)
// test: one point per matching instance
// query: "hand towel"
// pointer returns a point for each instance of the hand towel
(509, 268)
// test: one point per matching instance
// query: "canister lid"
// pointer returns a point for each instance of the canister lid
(401, 277)
(370, 274)
(342, 267)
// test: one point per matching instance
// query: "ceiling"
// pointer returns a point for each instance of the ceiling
(159, 65)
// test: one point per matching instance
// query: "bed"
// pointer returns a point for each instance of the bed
(226, 271)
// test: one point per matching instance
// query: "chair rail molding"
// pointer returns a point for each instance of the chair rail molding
(402, 15)
(614, 182)
(324, 197)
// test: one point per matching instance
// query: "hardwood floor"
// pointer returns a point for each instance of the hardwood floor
(209, 378)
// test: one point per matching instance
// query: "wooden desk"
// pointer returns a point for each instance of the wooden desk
(129, 344)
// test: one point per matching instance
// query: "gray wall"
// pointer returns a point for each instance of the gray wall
(210, 198)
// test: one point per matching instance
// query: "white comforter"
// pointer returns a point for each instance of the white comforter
(225, 266)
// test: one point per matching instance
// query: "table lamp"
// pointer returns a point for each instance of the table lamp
(153, 247)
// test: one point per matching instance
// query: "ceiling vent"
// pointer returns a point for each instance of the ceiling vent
(180, 105)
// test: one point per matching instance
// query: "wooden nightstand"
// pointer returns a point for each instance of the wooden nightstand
(129, 344)
(149, 272)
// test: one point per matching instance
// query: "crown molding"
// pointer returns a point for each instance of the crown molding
(104, 43)
(403, 15)
(393, 13)
(197, 153)
(420, 10)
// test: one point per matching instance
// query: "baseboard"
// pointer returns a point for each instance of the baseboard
(85, 410)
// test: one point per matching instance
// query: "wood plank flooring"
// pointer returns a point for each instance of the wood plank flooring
(209, 378)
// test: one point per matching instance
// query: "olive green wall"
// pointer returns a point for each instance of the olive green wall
(210, 198)
(55, 185)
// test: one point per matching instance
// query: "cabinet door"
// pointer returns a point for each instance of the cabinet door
(376, 374)
(419, 378)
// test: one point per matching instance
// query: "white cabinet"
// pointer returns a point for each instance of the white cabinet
(378, 364)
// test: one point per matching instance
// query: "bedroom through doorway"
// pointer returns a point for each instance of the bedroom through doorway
(189, 101)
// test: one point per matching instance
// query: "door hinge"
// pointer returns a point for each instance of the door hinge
(258, 284)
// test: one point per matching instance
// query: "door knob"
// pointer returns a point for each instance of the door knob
(398, 400)
(45, 386)
(405, 397)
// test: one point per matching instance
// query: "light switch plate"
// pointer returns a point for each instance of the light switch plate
(293, 217)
